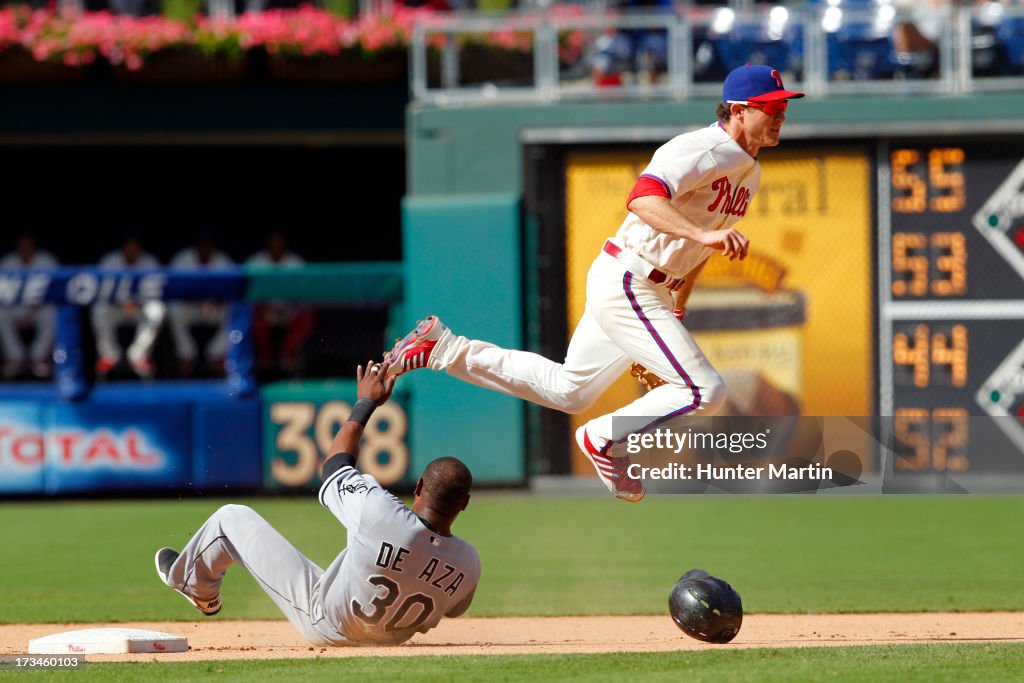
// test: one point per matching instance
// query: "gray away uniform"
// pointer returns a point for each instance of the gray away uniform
(396, 578)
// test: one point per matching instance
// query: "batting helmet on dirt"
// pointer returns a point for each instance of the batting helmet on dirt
(705, 607)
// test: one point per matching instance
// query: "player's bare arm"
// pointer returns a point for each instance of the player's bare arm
(373, 388)
(659, 213)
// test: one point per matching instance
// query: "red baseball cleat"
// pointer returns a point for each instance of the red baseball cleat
(611, 471)
(104, 364)
(414, 349)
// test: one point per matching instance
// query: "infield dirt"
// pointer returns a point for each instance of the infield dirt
(219, 639)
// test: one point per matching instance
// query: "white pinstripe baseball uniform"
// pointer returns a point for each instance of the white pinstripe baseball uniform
(628, 316)
(709, 179)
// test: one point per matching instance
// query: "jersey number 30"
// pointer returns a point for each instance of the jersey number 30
(381, 603)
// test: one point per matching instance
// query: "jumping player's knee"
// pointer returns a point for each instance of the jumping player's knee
(713, 394)
(702, 400)
(575, 406)
(578, 399)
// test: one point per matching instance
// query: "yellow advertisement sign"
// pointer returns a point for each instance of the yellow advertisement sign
(789, 328)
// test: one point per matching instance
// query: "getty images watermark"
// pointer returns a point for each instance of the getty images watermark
(666, 440)
(912, 453)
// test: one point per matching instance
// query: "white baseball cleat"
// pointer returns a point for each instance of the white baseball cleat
(611, 471)
(165, 557)
(413, 351)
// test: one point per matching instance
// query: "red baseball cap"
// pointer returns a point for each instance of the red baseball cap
(755, 83)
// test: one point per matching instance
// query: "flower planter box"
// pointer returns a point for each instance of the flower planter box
(349, 66)
(18, 66)
(185, 65)
(481, 64)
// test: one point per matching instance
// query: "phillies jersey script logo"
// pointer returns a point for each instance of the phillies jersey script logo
(728, 201)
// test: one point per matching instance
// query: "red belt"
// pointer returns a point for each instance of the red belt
(656, 276)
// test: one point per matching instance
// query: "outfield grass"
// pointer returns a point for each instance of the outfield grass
(961, 662)
(92, 561)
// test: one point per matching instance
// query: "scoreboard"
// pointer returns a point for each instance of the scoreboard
(908, 258)
(951, 303)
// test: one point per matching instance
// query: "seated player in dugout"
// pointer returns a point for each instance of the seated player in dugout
(38, 321)
(146, 316)
(403, 569)
(203, 255)
(280, 328)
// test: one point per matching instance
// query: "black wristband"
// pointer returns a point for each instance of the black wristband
(335, 463)
(362, 411)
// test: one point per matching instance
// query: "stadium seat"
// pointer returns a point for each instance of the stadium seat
(1011, 34)
(751, 43)
(856, 52)
(708, 62)
(988, 52)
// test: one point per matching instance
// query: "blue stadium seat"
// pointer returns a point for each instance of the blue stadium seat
(1011, 33)
(752, 44)
(708, 62)
(989, 56)
(856, 52)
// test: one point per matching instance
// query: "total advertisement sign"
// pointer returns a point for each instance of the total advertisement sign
(60, 447)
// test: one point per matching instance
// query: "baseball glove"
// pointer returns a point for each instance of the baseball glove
(645, 376)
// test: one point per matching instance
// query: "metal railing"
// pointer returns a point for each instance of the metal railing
(809, 37)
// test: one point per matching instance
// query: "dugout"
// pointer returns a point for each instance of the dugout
(165, 160)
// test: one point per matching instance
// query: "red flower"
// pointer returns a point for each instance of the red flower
(77, 39)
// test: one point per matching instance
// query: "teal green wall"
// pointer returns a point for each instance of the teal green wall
(463, 264)
(356, 282)
(477, 148)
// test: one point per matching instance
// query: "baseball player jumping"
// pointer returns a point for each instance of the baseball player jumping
(681, 210)
(402, 571)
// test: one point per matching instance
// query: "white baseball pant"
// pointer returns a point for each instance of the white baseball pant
(44, 318)
(184, 315)
(627, 318)
(107, 317)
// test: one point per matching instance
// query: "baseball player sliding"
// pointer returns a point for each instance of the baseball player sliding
(402, 571)
(681, 210)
